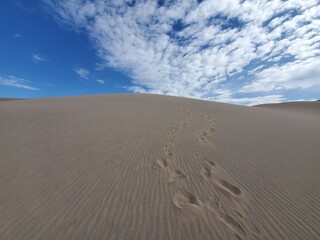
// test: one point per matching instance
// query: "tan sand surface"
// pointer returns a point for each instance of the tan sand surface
(296, 107)
(10, 99)
(157, 167)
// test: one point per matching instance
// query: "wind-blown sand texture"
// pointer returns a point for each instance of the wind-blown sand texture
(158, 167)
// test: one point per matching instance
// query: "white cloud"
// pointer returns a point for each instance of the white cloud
(189, 49)
(38, 58)
(136, 89)
(17, 35)
(253, 100)
(292, 75)
(226, 96)
(12, 81)
(101, 81)
(83, 73)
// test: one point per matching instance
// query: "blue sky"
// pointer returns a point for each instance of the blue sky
(242, 52)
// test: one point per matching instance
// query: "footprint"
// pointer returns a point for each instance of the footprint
(250, 225)
(184, 199)
(180, 174)
(212, 120)
(204, 133)
(187, 205)
(212, 129)
(175, 176)
(256, 231)
(162, 163)
(239, 214)
(210, 163)
(202, 138)
(214, 202)
(176, 128)
(168, 153)
(225, 192)
(233, 223)
(233, 189)
(206, 172)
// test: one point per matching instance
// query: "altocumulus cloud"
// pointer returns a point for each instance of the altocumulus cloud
(37, 58)
(234, 51)
(12, 81)
(83, 73)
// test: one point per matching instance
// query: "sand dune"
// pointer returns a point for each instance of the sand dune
(158, 167)
(296, 107)
(10, 99)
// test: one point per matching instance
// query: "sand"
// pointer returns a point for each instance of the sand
(10, 99)
(158, 167)
(296, 107)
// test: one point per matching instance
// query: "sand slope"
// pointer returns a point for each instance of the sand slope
(157, 167)
(296, 107)
(10, 99)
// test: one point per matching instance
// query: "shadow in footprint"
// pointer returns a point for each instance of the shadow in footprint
(233, 223)
(206, 172)
(211, 129)
(184, 199)
(187, 205)
(168, 153)
(214, 202)
(233, 189)
(180, 174)
(175, 176)
(162, 163)
(210, 163)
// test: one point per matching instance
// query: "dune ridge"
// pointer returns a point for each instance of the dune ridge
(157, 167)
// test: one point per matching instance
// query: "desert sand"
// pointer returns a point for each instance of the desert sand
(158, 167)
(10, 99)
